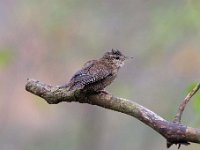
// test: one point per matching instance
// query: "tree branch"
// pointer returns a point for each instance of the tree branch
(182, 106)
(174, 133)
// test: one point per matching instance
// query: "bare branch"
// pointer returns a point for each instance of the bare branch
(174, 133)
(182, 106)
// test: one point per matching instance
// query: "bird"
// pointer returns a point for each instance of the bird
(97, 74)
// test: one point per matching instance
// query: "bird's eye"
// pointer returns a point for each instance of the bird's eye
(117, 57)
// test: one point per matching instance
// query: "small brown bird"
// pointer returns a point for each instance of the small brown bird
(97, 74)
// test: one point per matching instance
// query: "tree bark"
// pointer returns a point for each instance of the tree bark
(173, 132)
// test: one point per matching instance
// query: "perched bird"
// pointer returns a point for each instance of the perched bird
(95, 75)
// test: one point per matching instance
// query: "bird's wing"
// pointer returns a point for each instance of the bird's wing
(89, 74)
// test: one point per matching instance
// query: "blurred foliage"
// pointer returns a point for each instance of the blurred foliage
(49, 40)
(171, 23)
(5, 57)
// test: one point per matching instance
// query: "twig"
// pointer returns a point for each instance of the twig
(182, 106)
(174, 133)
(177, 118)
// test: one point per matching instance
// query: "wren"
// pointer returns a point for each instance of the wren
(95, 75)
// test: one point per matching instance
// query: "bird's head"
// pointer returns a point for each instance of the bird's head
(116, 57)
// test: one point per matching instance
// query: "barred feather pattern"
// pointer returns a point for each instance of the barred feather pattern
(94, 76)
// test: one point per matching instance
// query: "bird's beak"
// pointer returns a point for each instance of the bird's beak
(127, 57)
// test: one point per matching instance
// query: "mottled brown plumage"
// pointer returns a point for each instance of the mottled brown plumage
(95, 75)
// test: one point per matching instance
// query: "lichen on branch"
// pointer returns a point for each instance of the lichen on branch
(173, 132)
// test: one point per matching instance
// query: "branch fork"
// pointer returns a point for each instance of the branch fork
(173, 131)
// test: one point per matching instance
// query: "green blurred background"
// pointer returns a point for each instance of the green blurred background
(49, 40)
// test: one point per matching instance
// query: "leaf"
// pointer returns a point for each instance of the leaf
(5, 57)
